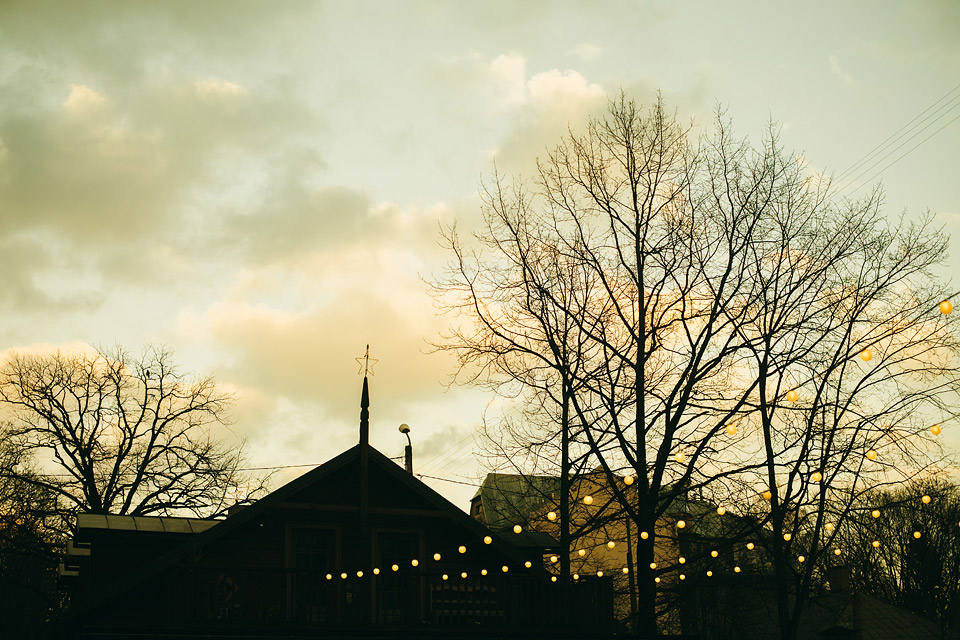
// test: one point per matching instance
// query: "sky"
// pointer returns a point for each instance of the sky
(261, 186)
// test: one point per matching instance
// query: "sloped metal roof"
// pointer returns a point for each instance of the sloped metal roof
(157, 524)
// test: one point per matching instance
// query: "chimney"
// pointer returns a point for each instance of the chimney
(839, 578)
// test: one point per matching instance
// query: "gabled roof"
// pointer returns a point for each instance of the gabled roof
(273, 500)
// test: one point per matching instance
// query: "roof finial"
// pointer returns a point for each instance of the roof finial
(366, 364)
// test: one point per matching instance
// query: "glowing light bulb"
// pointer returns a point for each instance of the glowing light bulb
(445, 577)
(462, 549)
(721, 510)
(553, 559)
(866, 355)
(576, 576)
(329, 576)
(463, 574)
(528, 564)
(394, 568)
(343, 576)
(714, 553)
(829, 526)
(483, 572)
(517, 528)
(682, 560)
(581, 552)
(611, 544)
(553, 578)
(487, 539)
(792, 395)
(359, 574)
(767, 495)
(836, 552)
(681, 524)
(709, 574)
(436, 557)
(683, 577)
(817, 476)
(946, 307)
(599, 574)
(917, 534)
(587, 499)
(644, 535)
(736, 569)
(504, 568)
(680, 457)
(376, 571)
(732, 429)
(626, 570)
(875, 513)
(787, 537)
(871, 455)
(414, 562)
(876, 544)
(628, 480)
(935, 429)
(551, 516)
(800, 559)
(925, 499)
(750, 546)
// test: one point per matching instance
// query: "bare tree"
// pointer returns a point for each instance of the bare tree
(659, 293)
(111, 433)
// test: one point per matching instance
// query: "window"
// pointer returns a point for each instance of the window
(398, 593)
(313, 554)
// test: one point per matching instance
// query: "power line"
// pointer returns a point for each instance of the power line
(894, 135)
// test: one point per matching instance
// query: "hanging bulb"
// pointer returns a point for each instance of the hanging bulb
(599, 574)
(732, 429)
(946, 307)
(436, 557)
(359, 574)
(551, 516)
(462, 549)
(576, 576)
(792, 395)
(611, 544)
(750, 546)
(875, 513)
(653, 565)
(553, 559)
(487, 539)
(644, 535)
(517, 528)
(626, 570)
(681, 524)
(721, 510)
(657, 579)
(709, 574)
(876, 544)
(866, 355)
(581, 552)
(680, 457)
(817, 476)
(504, 568)
(736, 569)
(682, 560)
(917, 534)
(787, 537)
(925, 499)
(343, 576)
(483, 572)
(935, 429)
(463, 574)
(829, 526)
(871, 455)
(528, 564)
(445, 577)
(714, 553)
(553, 578)
(628, 480)
(767, 495)
(394, 568)
(836, 552)
(376, 571)
(683, 576)
(588, 500)
(329, 576)
(800, 559)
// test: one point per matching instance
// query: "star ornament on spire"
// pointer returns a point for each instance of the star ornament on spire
(366, 363)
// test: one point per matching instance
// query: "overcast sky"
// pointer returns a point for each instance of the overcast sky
(259, 185)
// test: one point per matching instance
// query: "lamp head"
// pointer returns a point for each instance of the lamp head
(404, 428)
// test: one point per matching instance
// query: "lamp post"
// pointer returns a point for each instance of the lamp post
(407, 450)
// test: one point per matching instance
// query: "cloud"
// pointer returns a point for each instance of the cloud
(586, 51)
(836, 70)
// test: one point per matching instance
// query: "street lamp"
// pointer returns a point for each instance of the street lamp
(407, 450)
